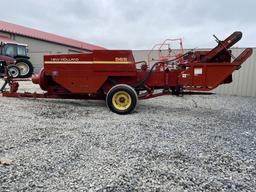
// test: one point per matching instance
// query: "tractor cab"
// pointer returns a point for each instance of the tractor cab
(14, 50)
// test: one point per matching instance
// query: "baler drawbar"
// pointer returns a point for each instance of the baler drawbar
(114, 75)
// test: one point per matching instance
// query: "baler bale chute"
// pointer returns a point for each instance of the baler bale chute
(114, 75)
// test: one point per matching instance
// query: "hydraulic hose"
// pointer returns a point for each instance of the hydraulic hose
(147, 75)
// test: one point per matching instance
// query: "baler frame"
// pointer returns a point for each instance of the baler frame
(113, 75)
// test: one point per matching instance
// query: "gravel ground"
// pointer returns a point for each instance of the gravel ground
(190, 143)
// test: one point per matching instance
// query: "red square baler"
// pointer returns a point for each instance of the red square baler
(114, 75)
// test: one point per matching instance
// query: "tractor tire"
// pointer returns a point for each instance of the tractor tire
(13, 71)
(121, 99)
(25, 66)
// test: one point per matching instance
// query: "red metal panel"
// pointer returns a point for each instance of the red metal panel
(213, 74)
(86, 73)
(82, 82)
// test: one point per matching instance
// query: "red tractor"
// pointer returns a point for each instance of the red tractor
(7, 65)
(19, 52)
(114, 75)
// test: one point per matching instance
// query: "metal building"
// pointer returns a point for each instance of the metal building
(42, 43)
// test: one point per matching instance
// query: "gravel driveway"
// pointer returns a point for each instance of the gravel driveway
(190, 143)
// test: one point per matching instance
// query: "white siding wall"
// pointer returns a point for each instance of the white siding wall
(244, 80)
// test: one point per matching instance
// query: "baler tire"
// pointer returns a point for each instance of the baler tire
(24, 63)
(122, 99)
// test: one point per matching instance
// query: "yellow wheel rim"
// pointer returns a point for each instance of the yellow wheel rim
(121, 100)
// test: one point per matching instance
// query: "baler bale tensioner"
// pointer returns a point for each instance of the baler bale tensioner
(114, 75)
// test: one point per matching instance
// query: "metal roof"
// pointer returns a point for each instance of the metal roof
(36, 34)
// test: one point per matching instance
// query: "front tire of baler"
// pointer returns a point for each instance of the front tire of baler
(122, 99)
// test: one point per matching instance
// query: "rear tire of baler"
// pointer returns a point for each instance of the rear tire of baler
(122, 99)
(26, 68)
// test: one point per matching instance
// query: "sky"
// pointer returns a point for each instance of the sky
(137, 24)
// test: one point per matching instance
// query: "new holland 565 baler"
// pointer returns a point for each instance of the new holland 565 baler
(114, 75)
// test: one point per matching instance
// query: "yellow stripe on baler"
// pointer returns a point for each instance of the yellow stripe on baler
(111, 62)
(87, 62)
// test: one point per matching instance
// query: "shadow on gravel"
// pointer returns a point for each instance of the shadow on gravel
(68, 109)
(77, 103)
(147, 106)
